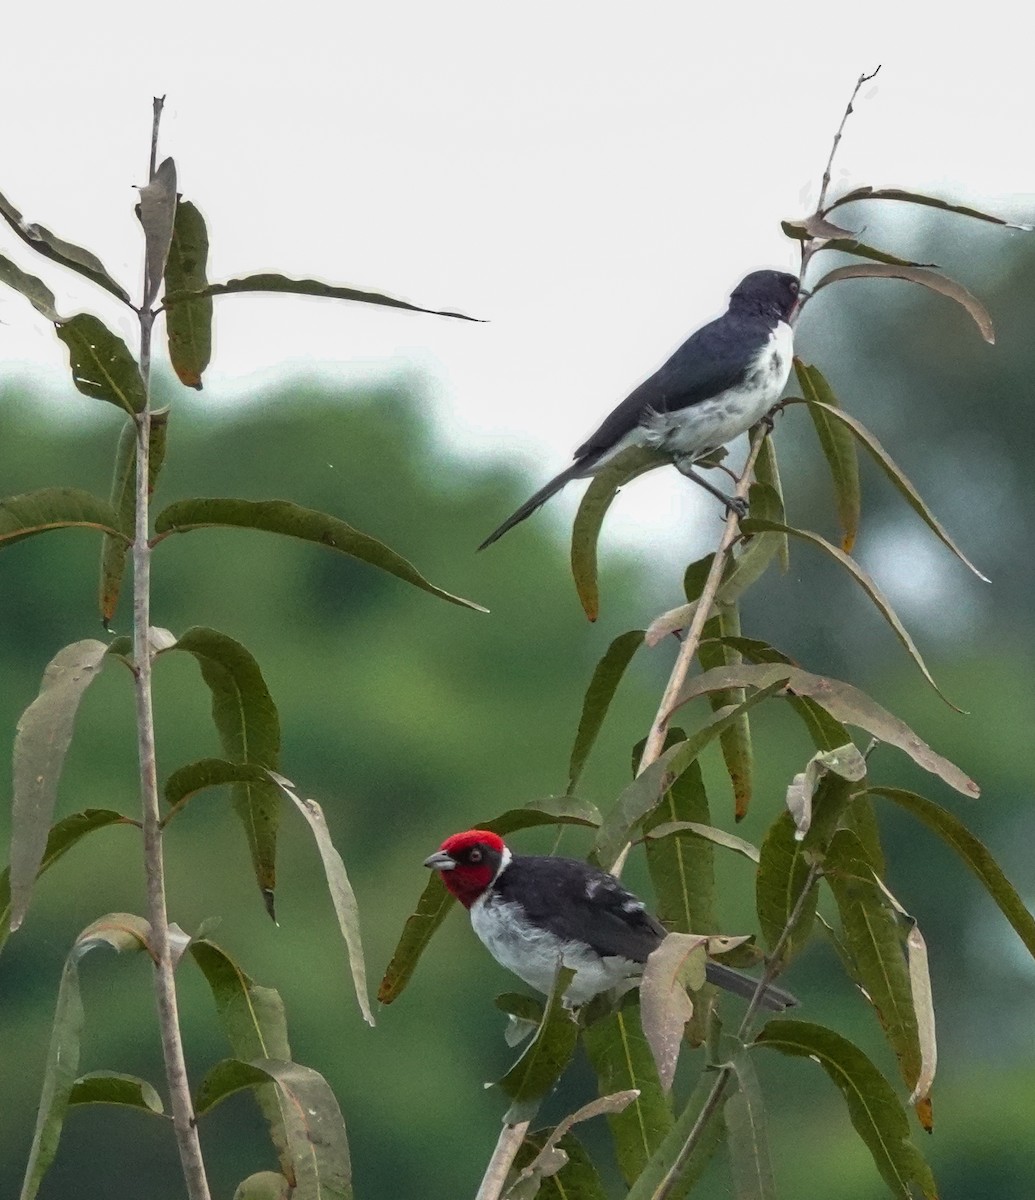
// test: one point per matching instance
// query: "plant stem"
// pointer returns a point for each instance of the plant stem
(154, 866)
(502, 1160)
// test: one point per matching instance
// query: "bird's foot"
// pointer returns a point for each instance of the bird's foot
(738, 505)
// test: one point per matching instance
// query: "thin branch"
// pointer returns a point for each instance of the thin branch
(502, 1160)
(837, 136)
(165, 987)
(158, 104)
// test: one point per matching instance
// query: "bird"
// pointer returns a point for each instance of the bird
(535, 912)
(720, 381)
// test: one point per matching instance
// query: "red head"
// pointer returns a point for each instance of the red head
(469, 862)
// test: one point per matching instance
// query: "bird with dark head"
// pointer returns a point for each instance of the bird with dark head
(535, 912)
(723, 379)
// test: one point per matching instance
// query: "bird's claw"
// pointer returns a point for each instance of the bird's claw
(738, 505)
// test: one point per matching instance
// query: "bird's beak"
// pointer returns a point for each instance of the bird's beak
(440, 861)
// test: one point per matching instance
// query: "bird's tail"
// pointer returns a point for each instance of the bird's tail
(773, 998)
(575, 471)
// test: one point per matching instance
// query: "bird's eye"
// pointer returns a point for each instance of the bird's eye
(794, 287)
(475, 855)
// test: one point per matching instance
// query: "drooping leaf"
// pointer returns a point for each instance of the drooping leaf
(861, 577)
(871, 193)
(895, 474)
(253, 1020)
(304, 287)
(343, 898)
(111, 1087)
(186, 781)
(317, 1144)
(115, 550)
(68, 255)
(974, 854)
(665, 1008)
(817, 796)
(838, 449)
(101, 363)
(862, 250)
(814, 226)
(34, 290)
(646, 790)
(40, 744)
(708, 833)
(292, 520)
(873, 937)
(599, 694)
(435, 902)
(681, 865)
(536, 1072)
(157, 212)
(627, 466)
(249, 728)
(122, 932)
(767, 472)
(62, 837)
(735, 740)
(622, 1060)
(844, 703)
(926, 278)
(188, 324)
(54, 508)
(875, 1111)
(783, 873)
(747, 1135)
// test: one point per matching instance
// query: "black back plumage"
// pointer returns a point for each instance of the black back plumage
(578, 902)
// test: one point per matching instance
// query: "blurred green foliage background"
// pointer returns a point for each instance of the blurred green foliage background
(408, 718)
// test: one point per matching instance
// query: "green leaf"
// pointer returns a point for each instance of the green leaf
(681, 865)
(34, 290)
(929, 279)
(873, 937)
(894, 473)
(735, 741)
(188, 324)
(783, 870)
(708, 833)
(871, 193)
(865, 582)
(536, 1072)
(156, 213)
(249, 728)
(123, 932)
(644, 793)
(838, 449)
(264, 1185)
(281, 516)
(54, 508)
(435, 901)
(40, 744)
(115, 549)
(623, 1061)
(101, 363)
(185, 782)
(110, 1087)
(747, 1135)
(658, 1173)
(974, 854)
(599, 694)
(604, 486)
(767, 472)
(343, 897)
(253, 1020)
(62, 837)
(68, 255)
(875, 1111)
(304, 287)
(317, 1144)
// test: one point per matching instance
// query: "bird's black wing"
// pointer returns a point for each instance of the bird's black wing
(711, 360)
(577, 902)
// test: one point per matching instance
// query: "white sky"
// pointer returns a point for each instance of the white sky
(591, 177)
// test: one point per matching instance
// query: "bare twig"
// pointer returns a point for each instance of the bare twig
(165, 987)
(158, 104)
(502, 1160)
(825, 185)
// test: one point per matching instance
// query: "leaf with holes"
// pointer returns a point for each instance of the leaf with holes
(101, 363)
